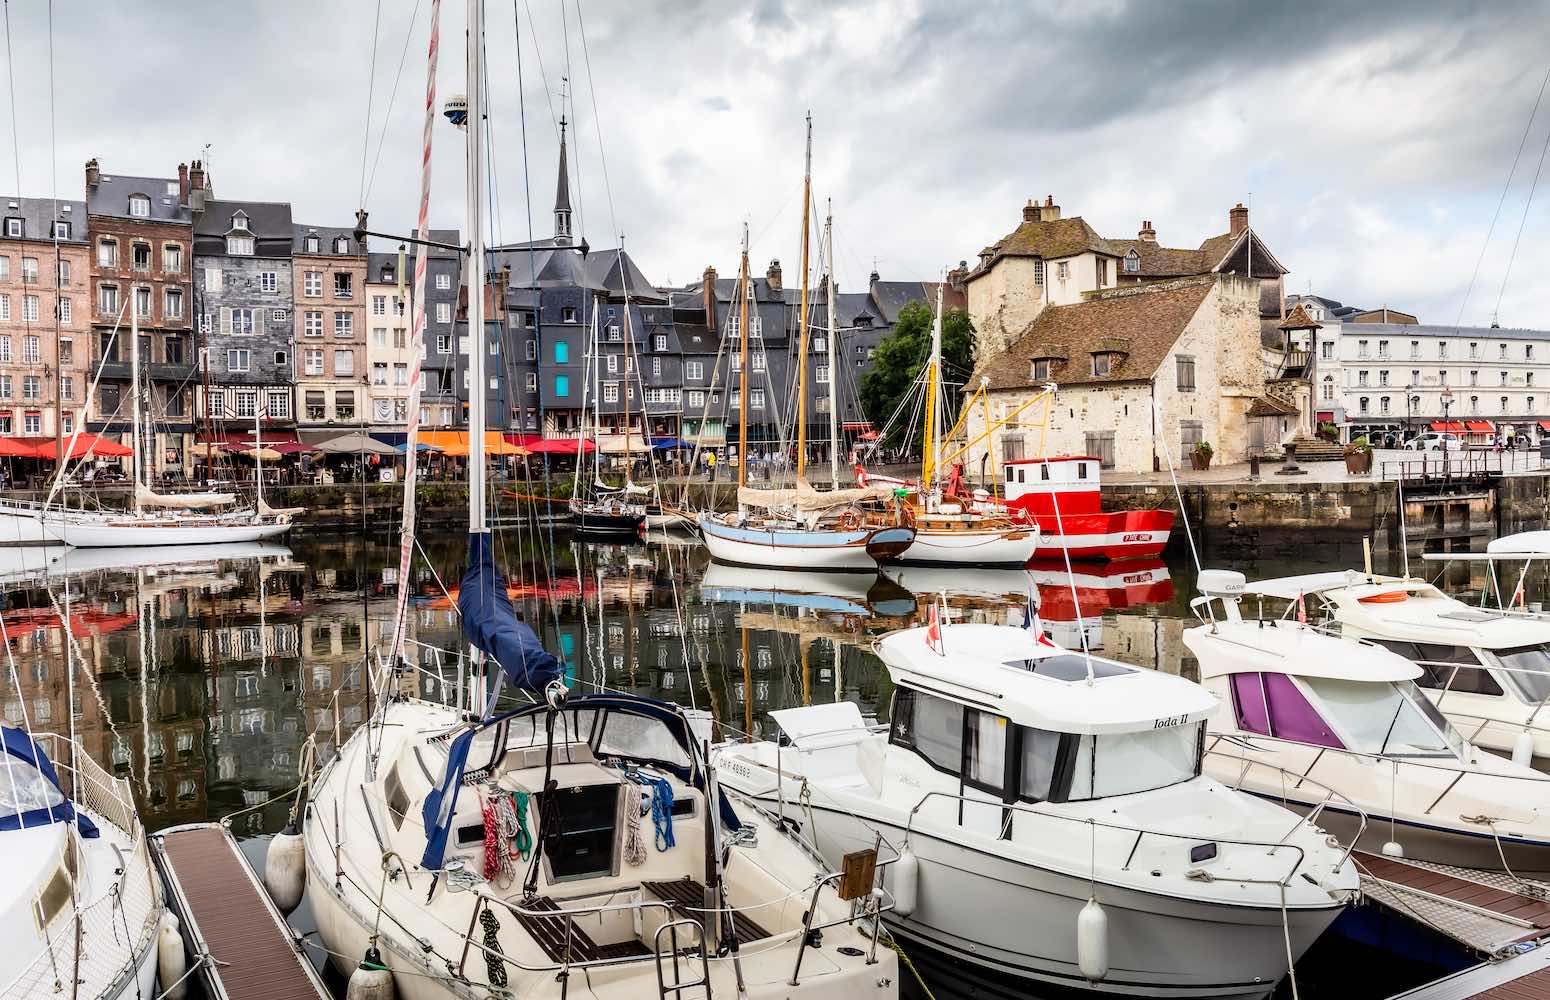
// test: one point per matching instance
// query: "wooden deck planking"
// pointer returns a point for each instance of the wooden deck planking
(258, 960)
(1534, 986)
(1529, 909)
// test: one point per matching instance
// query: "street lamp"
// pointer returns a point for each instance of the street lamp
(1447, 402)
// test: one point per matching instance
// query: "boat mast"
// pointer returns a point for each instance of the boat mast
(134, 396)
(258, 457)
(742, 373)
(929, 462)
(807, 196)
(834, 379)
(476, 331)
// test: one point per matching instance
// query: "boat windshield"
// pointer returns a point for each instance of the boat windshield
(611, 732)
(23, 788)
(1124, 763)
(1390, 720)
(1528, 670)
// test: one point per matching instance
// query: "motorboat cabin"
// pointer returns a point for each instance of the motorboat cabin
(1488, 670)
(1062, 495)
(589, 839)
(1342, 729)
(1019, 783)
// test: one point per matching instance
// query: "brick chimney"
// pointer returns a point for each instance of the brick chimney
(1237, 219)
(92, 173)
(1051, 211)
(772, 275)
(182, 184)
(1147, 233)
(1031, 211)
(197, 186)
(708, 292)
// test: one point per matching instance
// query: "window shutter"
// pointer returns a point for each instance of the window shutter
(226, 320)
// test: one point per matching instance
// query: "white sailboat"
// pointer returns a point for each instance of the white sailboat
(1052, 819)
(578, 845)
(174, 519)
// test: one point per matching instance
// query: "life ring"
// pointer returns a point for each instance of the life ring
(850, 520)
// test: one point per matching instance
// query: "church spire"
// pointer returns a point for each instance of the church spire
(562, 230)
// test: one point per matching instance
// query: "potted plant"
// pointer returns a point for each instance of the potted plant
(1200, 457)
(1358, 456)
(1328, 432)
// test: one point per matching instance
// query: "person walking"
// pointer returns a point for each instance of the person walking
(710, 465)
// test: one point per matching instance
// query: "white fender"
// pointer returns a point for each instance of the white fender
(1392, 849)
(1523, 749)
(1092, 941)
(370, 980)
(285, 869)
(171, 960)
(906, 882)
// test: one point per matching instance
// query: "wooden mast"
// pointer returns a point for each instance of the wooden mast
(834, 371)
(742, 374)
(807, 197)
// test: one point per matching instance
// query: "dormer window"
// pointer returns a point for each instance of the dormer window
(140, 206)
(341, 245)
(1132, 263)
(1103, 361)
(311, 244)
(1039, 369)
(61, 230)
(239, 222)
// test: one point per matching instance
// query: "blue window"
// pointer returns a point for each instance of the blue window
(561, 354)
(562, 384)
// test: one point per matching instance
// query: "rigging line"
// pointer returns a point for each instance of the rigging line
(1527, 205)
(1501, 201)
(371, 94)
(543, 74)
(387, 115)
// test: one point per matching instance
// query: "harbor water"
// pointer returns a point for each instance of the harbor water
(201, 680)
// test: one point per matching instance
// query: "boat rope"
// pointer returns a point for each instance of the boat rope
(634, 846)
(1286, 935)
(661, 807)
(1527, 886)
(904, 958)
(494, 964)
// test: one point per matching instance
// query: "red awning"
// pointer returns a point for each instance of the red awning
(1450, 427)
(1544, 425)
(85, 444)
(559, 446)
(1481, 427)
(18, 448)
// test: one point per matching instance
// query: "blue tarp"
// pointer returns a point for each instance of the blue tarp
(491, 623)
(667, 444)
(19, 745)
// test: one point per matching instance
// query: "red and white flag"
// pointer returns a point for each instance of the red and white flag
(1302, 611)
(934, 630)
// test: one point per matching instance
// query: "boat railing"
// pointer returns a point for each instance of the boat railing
(1332, 797)
(1193, 837)
(89, 785)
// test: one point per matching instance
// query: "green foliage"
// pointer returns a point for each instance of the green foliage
(898, 363)
(1204, 449)
(1359, 446)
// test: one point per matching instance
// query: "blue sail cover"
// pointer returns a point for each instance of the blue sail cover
(490, 622)
(19, 784)
(441, 803)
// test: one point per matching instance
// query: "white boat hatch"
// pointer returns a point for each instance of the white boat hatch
(1070, 667)
(1469, 615)
(1222, 583)
(817, 727)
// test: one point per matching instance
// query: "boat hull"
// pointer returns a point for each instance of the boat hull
(608, 525)
(859, 549)
(108, 534)
(990, 547)
(1127, 534)
(21, 527)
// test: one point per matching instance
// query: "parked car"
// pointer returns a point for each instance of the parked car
(1435, 441)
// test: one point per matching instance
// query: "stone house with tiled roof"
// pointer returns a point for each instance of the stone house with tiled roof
(1188, 347)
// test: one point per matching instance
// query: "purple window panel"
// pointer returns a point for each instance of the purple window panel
(1292, 718)
(1248, 699)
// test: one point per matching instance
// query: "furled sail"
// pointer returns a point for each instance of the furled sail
(491, 623)
(268, 511)
(805, 498)
(182, 501)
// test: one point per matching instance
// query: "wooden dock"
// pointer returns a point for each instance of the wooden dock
(228, 917)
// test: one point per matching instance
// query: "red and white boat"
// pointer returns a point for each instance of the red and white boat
(1069, 484)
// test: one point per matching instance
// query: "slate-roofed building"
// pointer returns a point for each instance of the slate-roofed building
(45, 316)
(243, 292)
(1190, 346)
(329, 327)
(141, 234)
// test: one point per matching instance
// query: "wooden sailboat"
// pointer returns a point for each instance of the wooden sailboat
(604, 511)
(801, 528)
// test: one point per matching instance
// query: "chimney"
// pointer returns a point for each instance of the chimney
(197, 186)
(1147, 233)
(708, 292)
(182, 184)
(773, 276)
(1237, 219)
(1051, 211)
(1031, 211)
(92, 173)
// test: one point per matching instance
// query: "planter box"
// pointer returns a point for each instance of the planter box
(1358, 463)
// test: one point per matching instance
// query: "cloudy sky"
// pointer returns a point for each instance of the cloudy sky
(1372, 141)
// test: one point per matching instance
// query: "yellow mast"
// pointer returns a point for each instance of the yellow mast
(807, 196)
(990, 443)
(928, 463)
(742, 375)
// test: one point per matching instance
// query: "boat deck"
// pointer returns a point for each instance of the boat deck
(228, 916)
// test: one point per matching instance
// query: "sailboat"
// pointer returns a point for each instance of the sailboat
(475, 853)
(605, 511)
(801, 527)
(177, 519)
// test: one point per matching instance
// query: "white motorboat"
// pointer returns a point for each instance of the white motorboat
(1488, 670)
(1020, 783)
(80, 900)
(1347, 721)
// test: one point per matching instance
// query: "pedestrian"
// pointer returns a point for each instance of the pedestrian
(710, 465)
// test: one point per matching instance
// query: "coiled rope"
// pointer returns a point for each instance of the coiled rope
(661, 807)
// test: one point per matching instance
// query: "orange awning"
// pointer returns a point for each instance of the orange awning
(455, 443)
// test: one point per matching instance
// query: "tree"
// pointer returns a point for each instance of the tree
(898, 362)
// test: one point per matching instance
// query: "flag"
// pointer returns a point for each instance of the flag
(1302, 611)
(934, 630)
(1031, 620)
(861, 476)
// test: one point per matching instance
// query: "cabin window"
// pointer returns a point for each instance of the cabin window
(397, 798)
(931, 726)
(1010, 471)
(984, 750)
(1040, 750)
(1392, 719)
(1463, 675)
(639, 738)
(1044, 471)
(1530, 666)
(1271, 705)
(1125, 763)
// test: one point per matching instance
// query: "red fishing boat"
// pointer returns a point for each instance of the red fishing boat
(1062, 495)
